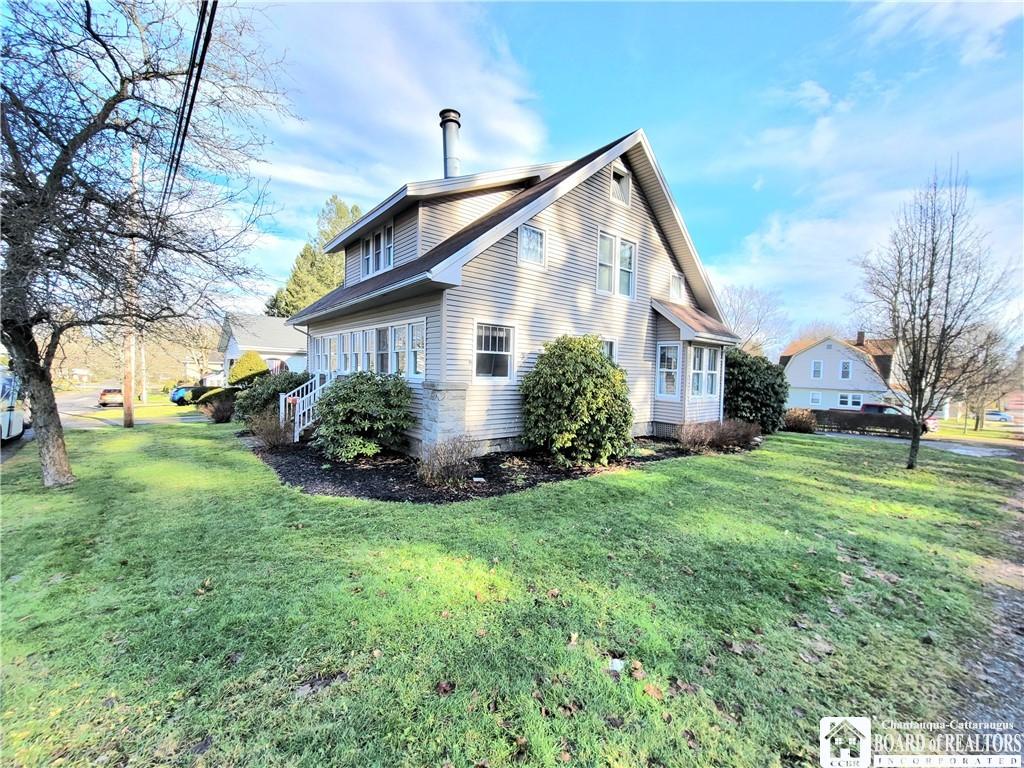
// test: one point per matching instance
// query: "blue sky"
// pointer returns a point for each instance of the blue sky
(789, 133)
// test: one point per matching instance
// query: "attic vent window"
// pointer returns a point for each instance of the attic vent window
(620, 185)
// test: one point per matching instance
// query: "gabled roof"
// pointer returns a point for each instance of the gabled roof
(424, 190)
(694, 324)
(262, 332)
(441, 266)
(878, 353)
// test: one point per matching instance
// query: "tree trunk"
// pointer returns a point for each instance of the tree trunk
(49, 433)
(915, 445)
(143, 371)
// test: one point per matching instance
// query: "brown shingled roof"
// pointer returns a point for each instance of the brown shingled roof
(411, 269)
(697, 320)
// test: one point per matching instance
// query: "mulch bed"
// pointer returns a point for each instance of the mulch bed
(392, 476)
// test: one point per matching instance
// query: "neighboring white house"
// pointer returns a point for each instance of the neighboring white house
(457, 283)
(282, 346)
(835, 373)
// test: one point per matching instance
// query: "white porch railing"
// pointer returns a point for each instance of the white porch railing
(297, 406)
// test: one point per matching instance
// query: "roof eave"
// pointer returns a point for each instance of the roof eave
(411, 286)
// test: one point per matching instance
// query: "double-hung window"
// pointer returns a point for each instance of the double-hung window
(343, 353)
(616, 265)
(711, 375)
(382, 351)
(815, 398)
(417, 349)
(850, 400)
(493, 352)
(845, 369)
(355, 350)
(816, 368)
(531, 246)
(368, 338)
(668, 371)
(697, 372)
(608, 349)
(399, 349)
(378, 251)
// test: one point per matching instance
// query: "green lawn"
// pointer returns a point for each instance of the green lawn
(954, 430)
(180, 606)
(156, 408)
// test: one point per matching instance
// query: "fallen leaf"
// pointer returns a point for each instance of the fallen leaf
(614, 721)
(822, 647)
(481, 632)
(809, 658)
(444, 687)
(654, 692)
(565, 757)
(446, 614)
(666, 716)
(637, 671)
(553, 593)
(377, 653)
(573, 639)
(691, 739)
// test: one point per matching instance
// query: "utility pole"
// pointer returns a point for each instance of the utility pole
(128, 382)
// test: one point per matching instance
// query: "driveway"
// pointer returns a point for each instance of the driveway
(975, 448)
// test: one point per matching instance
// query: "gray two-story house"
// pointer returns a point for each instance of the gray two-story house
(457, 283)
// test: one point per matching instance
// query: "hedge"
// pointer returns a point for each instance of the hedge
(890, 424)
(755, 390)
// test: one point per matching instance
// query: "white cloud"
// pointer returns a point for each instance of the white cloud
(976, 28)
(812, 96)
(758, 184)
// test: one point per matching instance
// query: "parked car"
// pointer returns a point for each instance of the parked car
(931, 423)
(12, 417)
(110, 397)
(177, 395)
(1002, 416)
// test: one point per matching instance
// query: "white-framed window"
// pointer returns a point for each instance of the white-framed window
(711, 372)
(845, 369)
(368, 350)
(343, 354)
(417, 349)
(698, 362)
(850, 400)
(817, 366)
(815, 398)
(400, 349)
(493, 352)
(676, 287)
(325, 353)
(383, 359)
(616, 265)
(621, 190)
(355, 350)
(275, 365)
(668, 372)
(532, 246)
(610, 349)
(378, 251)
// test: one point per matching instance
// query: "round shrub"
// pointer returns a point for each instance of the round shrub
(263, 393)
(218, 404)
(755, 390)
(576, 403)
(800, 420)
(362, 413)
(247, 369)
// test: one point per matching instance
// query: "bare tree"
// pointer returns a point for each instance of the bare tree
(87, 243)
(997, 372)
(755, 316)
(932, 288)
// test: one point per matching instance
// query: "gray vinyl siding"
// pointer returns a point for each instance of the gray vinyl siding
(442, 217)
(560, 299)
(428, 307)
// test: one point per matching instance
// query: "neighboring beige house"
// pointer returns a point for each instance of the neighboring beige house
(836, 373)
(280, 345)
(457, 283)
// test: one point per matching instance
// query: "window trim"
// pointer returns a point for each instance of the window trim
(496, 380)
(849, 364)
(682, 287)
(620, 169)
(543, 264)
(615, 347)
(368, 353)
(810, 398)
(658, 371)
(617, 239)
(704, 371)
(849, 400)
(368, 240)
(821, 371)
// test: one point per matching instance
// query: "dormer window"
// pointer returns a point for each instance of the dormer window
(378, 251)
(621, 183)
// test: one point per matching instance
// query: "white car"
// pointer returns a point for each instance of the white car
(12, 416)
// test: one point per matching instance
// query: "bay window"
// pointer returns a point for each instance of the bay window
(399, 349)
(382, 351)
(418, 349)
(704, 370)
(668, 371)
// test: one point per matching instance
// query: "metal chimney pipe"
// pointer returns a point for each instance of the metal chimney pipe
(450, 135)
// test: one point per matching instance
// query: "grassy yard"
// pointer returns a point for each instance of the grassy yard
(156, 408)
(180, 606)
(954, 430)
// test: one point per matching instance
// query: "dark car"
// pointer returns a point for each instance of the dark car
(110, 397)
(930, 424)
